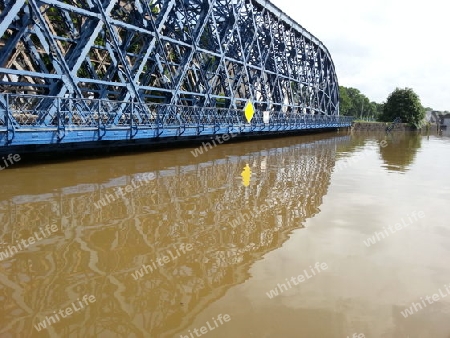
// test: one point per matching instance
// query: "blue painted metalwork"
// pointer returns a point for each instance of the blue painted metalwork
(91, 70)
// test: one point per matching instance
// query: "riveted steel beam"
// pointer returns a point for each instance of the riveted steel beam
(202, 53)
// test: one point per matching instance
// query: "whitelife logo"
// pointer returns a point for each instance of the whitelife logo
(109, 198)
(244, 217)
(64, 313)
(415, 307)
(25, 243)
(146, 269)
(414, 217)
(207, 146)
(300, 278)
(204, 330)
(11, 159)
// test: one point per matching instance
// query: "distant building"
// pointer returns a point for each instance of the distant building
(440, 118)
(445, 120)
(432, 116)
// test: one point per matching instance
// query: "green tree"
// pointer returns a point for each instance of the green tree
(353, 103)
(378, 108)
(345, 102)
(403, 103)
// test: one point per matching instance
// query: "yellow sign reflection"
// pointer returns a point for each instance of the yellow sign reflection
(246, 174)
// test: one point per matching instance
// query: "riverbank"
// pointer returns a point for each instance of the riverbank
(380, 126)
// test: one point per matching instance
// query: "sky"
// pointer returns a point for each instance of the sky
(379, 45)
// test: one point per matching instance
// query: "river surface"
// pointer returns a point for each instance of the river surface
(329, 235)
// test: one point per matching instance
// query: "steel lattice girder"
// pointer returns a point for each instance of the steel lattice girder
(203, 53)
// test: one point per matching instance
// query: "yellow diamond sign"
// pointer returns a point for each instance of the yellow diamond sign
(249, 111)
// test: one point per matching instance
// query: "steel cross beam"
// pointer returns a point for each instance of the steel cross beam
(188, 59)
(9, 13)
(202, 53)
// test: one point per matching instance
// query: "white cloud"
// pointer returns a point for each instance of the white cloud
(379, 45)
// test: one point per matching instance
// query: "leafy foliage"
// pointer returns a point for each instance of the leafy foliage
(403, 103)
(353, 103)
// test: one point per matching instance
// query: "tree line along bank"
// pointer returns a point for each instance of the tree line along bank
(402, 103)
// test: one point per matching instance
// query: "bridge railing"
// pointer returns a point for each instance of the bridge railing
(22, 111)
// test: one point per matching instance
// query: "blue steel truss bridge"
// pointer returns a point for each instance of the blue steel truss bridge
(73, 72)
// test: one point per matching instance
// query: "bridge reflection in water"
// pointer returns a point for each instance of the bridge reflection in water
(97, 248)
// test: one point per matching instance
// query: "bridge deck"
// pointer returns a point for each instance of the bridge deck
(75, 120)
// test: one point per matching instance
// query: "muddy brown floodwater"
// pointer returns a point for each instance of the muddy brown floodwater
(330, 235)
